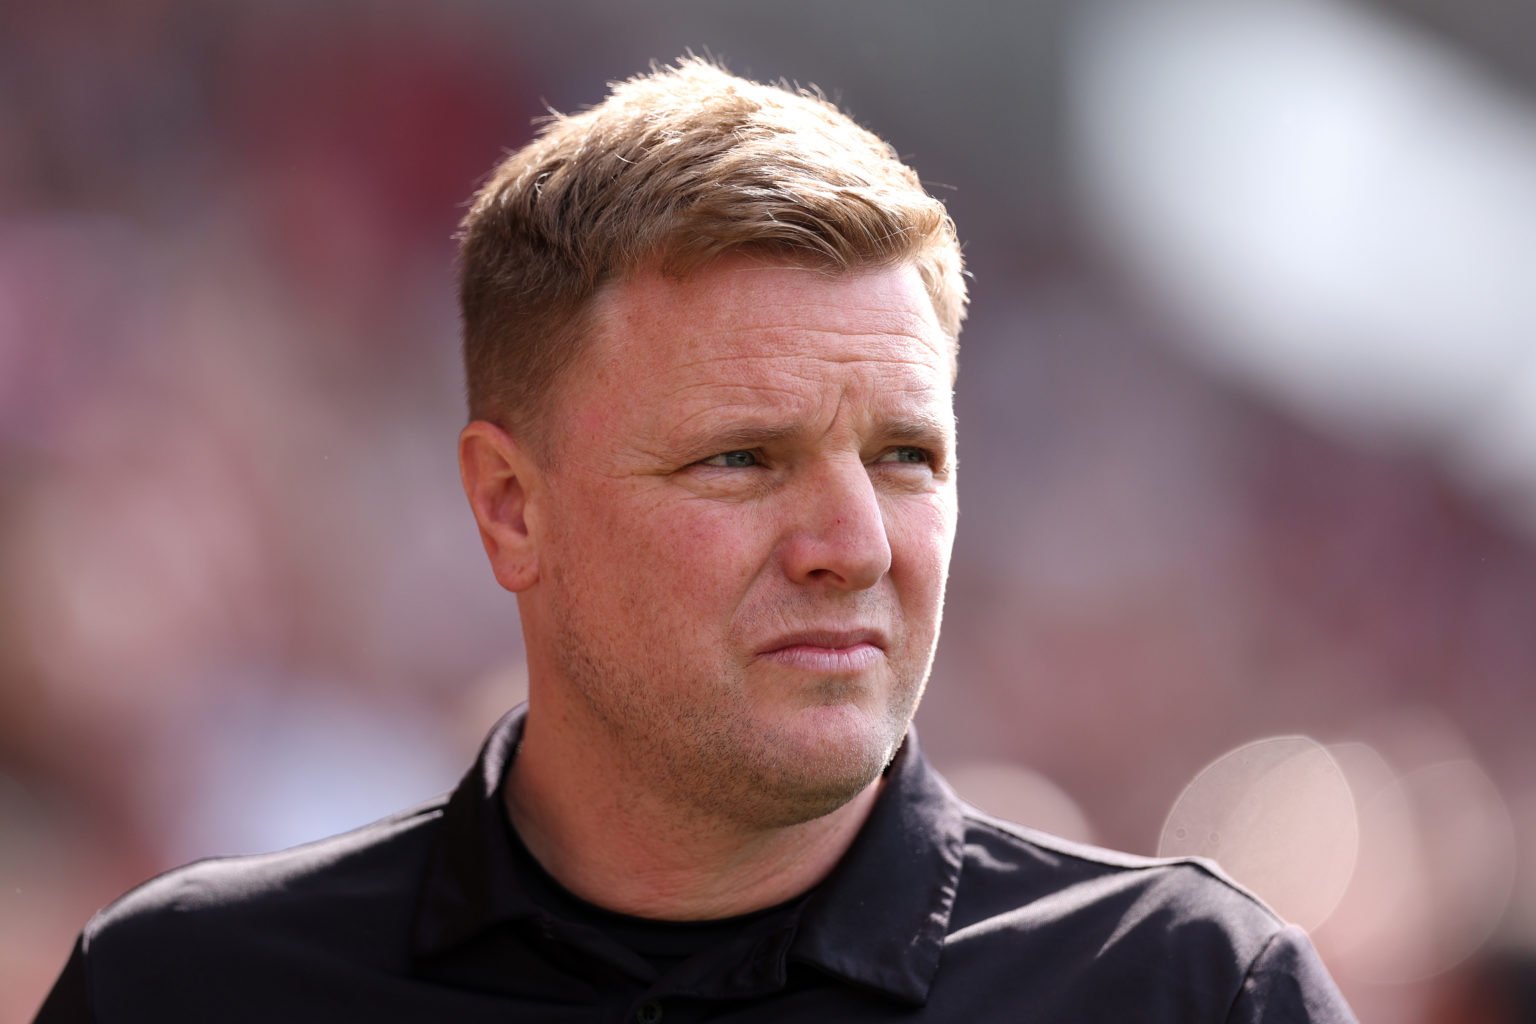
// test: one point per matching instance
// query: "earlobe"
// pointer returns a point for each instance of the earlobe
(499, 479)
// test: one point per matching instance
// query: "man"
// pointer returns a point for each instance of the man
(710, 331)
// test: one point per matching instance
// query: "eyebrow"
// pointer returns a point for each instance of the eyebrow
(924, 431)
(929, 431)
(745, 436)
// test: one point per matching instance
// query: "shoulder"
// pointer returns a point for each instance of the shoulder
(1007, 864)
(208, 924)
(1109, 935)
(338, 873)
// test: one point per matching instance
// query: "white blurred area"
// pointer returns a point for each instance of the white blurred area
(1341, 210)
(1395, 851)
(1401, 863)
(1278, 815)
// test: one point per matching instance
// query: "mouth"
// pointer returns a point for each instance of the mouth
(833, 652)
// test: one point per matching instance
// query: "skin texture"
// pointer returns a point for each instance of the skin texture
(730, 570)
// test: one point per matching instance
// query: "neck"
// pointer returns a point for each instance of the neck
(615, 843)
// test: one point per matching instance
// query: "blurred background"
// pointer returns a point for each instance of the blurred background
(1247, 564)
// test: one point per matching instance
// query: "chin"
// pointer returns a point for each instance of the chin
(824, 758)
(842, 721)
(806, 796)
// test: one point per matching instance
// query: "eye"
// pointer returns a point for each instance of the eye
(908, 454)
(740, 459)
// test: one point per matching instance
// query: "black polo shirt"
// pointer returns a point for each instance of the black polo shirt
(936, 913)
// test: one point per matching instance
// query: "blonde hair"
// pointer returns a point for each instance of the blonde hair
(673, 169)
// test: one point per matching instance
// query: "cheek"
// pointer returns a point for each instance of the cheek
(713, 549)
(921, 536)
(690, 552)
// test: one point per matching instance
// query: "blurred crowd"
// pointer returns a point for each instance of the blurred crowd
(242, 603)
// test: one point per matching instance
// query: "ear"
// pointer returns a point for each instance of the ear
(499, 475)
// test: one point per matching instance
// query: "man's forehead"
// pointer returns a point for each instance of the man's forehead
(891, 300)
(660, 353)
(731, 306)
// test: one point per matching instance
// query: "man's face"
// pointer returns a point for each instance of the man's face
(744, 531)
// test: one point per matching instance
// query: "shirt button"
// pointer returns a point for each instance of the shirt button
(649, 1013)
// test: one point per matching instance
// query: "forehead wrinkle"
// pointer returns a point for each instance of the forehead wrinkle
(887, 338)
(880, 364)
(795, 379)
(741, 417)
(787, 377)
(644, 299)
(729, 394)
(749, 418)
(786, 384)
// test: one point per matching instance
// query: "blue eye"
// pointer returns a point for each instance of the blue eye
(742, 459)
(906, 454)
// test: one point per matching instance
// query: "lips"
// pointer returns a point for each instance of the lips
(827, 639)
(827, 651)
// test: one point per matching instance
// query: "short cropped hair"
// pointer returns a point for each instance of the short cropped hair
(674, 169)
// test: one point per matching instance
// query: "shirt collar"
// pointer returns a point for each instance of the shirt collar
(471, 883)
(878, 920)
(881, 917)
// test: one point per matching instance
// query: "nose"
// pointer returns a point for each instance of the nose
(838, 532)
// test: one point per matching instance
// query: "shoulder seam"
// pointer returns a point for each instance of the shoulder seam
(402, 820)
(1242, 985)
(1112, 859)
